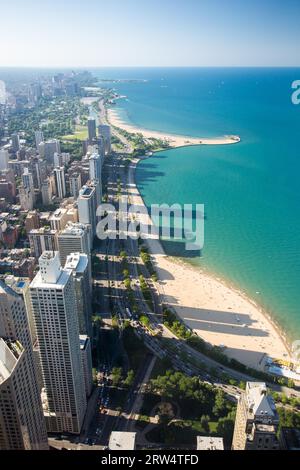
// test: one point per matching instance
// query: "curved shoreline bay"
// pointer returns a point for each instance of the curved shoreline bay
(251, 191)
(220, 314)
(173, 140)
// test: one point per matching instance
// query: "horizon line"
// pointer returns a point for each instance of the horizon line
(144, 66)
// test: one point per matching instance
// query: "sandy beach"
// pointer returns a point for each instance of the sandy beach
(220, 314)
(114, 119)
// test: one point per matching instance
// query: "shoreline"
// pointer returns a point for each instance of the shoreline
(218, 311)
(230, 285)
(268, 339)
(173, 140)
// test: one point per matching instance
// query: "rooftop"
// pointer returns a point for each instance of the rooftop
(6, 290)
(77, 261)
(85, 191)
(209, 443)
(10, 351)
(42, 231)
(58, 213)
(122, 440)
(73, 229)
(83, 341)
(259, 403)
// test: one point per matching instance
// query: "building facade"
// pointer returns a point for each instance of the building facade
(26, 418)
(42, 239)
(53, 304)
(74, 238)
(87, 207)
(86, 357)
(257, 420)
(79, 264)
(60, 182)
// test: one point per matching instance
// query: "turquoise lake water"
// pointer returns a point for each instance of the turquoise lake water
(251, 190)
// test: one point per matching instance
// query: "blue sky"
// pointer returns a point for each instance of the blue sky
(149, 33)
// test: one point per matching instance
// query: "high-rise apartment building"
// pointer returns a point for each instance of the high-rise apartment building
(46, 192)
(91, 129)
(79, 264)
(87, 207)
(27, 179)
(4, 157)
(95, 164)
(54, 309)
(86, 358)
(74, 238)
(15, 142)
(60, 182)
(75, 184)
(49, 148)
(26, 198)
(22, 425)
(39, 137)
(42, 239)
(104, 131)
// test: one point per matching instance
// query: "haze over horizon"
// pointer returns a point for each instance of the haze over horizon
(144, 33)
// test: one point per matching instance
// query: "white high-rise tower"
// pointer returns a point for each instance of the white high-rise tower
(22, 424)
(54, 309)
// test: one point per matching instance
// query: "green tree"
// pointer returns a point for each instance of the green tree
(220, 407)
(125, 273)
(205, 423)
(145, 320)
(116, 374)
(225, 428)
(129, 378)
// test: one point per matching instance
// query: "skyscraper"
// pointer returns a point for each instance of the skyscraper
(78, 263)
(15, 142)
(3, 95)
(39, 137)
(54, 309)
(104, 131)
(27, 179)
(21, 287)
(86, 358)
(74, 238)
(4, 157)
(50, 147)
(60, 182)
(46, 192)
(21, 421)
(75, 184)
(95, 163)
(26, 197)
(91, 129)
(257, 421)
(42, 239)
(87, 206)
(95, 166)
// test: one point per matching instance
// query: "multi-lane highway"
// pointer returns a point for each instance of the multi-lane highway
(164, 344)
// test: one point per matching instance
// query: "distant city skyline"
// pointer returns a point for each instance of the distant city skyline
(150, 33)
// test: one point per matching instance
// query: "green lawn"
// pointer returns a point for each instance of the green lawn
(80, 133)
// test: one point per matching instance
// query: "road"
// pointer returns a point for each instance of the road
(113, 297)
(126, 177)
